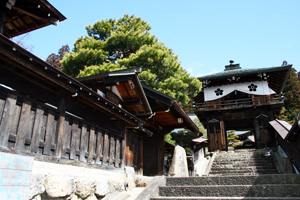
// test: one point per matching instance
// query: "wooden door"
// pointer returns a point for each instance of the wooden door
(134, 150)
(216, 135)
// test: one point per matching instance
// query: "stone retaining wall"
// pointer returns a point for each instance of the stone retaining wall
(23, 178)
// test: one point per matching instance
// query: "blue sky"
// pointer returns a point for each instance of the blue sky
(205, 35)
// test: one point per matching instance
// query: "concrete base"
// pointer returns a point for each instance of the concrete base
(15, 176)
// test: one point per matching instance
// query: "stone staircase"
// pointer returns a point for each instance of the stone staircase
(242, 162)
(243, 174)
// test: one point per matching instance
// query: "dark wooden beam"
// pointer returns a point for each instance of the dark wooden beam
(2, 18)
(129, 102)
(44, 20)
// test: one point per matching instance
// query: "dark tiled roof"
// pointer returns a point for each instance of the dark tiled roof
(244, 72)
(28, 15)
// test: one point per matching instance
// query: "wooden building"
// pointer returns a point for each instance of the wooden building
(240, 99)
(287, 137)
(52, 116)
(109, 122)
(144, 148)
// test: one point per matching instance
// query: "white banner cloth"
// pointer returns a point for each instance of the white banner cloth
(255, 88)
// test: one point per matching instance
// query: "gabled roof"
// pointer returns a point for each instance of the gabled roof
(276, 76)
(168, 113)
(244, 72)
(129, 87)
(27, 15)
(37, 68)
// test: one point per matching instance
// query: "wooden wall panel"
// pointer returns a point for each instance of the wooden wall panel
(99, 150)
(92, 146)
(50, 134)
(8, 122)
(25, 127)
(15, 121)
(67, 140)
(106, 149)
(43, 133)
(84, 142)
(37, 130)
(118, 153)
(2, 104)
(112, 151)
(75, 142)
(123, 150)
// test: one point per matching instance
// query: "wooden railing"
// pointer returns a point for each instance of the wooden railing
(30, 127)
(238, 103)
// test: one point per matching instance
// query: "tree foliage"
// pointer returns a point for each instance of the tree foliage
(126, 43)
(233, 139)
(184, 137)
(292, 98)
(54, 59)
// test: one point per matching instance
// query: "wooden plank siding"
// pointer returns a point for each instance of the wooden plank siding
(92, 146)
(25, 127)
(8, 123)
(84, 142)
(99, 150)
(106, 149)
(35, 128)
(75, 140)
(38, 129)
(50, 136)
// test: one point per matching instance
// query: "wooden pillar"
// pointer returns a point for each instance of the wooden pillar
(60, 128)
(124, 149)
(141, 155)
(223, 137)
(160, 153)
(257, 134)
(226, 137)
(216, 135)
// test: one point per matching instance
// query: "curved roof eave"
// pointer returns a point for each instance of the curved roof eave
(244, 72)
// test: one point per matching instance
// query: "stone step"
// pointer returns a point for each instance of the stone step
(244, 160)
(245, 170)
(266, 190)
(242, 174)
(241, 159)
(225, 198)
(233, 173)
(243, 167)
(240, 156)
(236, 166)
(242, 152)
(235, 180)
